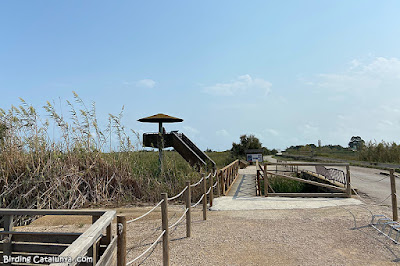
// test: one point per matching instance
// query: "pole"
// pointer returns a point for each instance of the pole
(160, 145)
(188, 202)
(121, 241)
(164, 217)
(265, 181)
(394, 196)
(205, 197)
(212, 190)
(348, 187)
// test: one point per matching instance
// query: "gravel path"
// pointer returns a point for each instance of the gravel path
(323, 236)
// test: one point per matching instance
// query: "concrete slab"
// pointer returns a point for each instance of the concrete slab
(278, 203)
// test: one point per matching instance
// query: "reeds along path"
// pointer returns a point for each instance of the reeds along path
(48, 161)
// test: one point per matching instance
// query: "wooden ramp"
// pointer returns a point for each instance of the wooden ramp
(245, 184)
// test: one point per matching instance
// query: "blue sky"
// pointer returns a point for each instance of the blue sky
(290, 72)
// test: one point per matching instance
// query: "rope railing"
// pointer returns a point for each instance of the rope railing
(195, 184)
(140, 217)
(227, 175)
(197, 203)
(147, 250)
(208, 176)
(216, 184)
(178, 195)
(180, 219)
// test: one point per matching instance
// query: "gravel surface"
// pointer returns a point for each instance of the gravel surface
(326, 236)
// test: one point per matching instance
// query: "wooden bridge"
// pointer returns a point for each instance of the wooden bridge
(101, 245)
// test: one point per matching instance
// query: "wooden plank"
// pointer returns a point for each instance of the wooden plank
(108, 255)
(49, 212)
(322, 177)
(308, 182)
(43, 237)
(86, 240)
(309, 195)
(38, 248)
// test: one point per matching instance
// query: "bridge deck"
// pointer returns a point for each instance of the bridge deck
(245, 185)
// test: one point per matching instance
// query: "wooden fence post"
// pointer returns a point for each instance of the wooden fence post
(348, 187)
(8, 226)
(204, 198)
(211, 190)
(266, 182)
(188, 202)
(164, 218)
(394, 196)
(219, 183)
(223, 174)
(121, 241)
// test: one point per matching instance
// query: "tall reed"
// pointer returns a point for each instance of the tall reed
(60, 162)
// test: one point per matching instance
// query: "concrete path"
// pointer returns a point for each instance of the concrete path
(242, 196)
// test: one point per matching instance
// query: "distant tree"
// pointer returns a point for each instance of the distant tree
(356, 143)
(246, 142)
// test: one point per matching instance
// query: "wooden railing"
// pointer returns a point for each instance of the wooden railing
(227, 176)
(263, 174)
(95, 246)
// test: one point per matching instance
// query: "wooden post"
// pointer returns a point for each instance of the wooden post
(348, 186)
(121, 241)
(108, 235)
(219, 183)
(204, 198)
(223, 174)
(164, 217)
(160, 145)
(394, 196)
(8, 226)
(212, 190)
(188, 202)
(265, 181)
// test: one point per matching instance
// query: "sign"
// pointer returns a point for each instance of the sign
(254, 157)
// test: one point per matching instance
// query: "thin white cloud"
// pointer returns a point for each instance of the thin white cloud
(191, 130)
(272, 132)
(378, 74)
(239, 86)
(222, 133)
(146, 83)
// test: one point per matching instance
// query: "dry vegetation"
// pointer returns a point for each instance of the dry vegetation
(67, 163)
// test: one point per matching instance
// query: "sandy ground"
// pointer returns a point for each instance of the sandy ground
(335, 235)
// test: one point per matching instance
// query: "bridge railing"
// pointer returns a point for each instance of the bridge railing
(339, 181)
(228, 175)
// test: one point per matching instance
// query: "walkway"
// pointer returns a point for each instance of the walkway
(242, 196)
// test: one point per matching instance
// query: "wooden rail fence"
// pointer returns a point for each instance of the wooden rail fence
(342, 190)
(97, 245)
